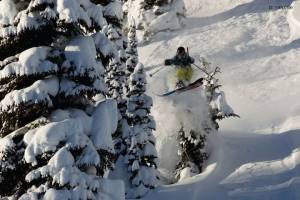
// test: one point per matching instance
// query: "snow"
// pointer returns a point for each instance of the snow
(105, 120)
(167, 21)
(256, 156)
(171, 16)
(53, 194)
(296, 11)
(70, 11)
(73, 127)
(114, 10)
(258, 49)
(31, 61)
(104, 45)
(96, 13)
(8, 12)
(27, 22)
(7, 31)
(257, 171)
(61, 167)
(40, 91)
(81, 52)
(219, 103)
(46, 138)
(79, 12)
(114, 189)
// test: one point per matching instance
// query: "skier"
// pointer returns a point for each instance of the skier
(182, 62)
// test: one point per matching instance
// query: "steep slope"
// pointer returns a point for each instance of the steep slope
(257, 45)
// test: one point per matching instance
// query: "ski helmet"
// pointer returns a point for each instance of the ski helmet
(180, 50)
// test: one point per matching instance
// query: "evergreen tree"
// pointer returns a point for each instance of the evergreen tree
(148, 4)
(219, 108)
(192, 153)
(115, 67)
(192, 143)
(55, 140)
(131, 51)
(141, 155)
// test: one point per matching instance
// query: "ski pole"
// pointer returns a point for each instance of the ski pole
(158, 70)
(201, 69)
(152, 67)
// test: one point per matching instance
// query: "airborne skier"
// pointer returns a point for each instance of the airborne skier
(182, 62)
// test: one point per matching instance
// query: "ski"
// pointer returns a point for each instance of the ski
(190, 86)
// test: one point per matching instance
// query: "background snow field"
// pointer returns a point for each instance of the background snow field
(258, 50)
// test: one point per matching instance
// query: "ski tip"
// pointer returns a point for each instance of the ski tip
(165, 94)
(159, 95)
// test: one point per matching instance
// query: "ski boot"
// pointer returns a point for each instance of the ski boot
(179, 84)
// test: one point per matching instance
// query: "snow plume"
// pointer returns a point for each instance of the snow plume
(188, 109)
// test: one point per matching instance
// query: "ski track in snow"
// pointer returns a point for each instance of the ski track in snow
(258, 49)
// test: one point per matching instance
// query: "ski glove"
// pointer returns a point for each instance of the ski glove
(168, 62)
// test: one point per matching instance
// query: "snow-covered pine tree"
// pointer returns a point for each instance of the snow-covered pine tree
(131, 50)
(53, 136)
(113, 13)
(218, 106)
(148, 4)
(141, 155)
(121, 136)
(192, 153)
(115, 66)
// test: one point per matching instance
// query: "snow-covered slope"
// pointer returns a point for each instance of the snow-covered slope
(257, 45)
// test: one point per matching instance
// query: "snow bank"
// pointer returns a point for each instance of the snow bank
(259, 170)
